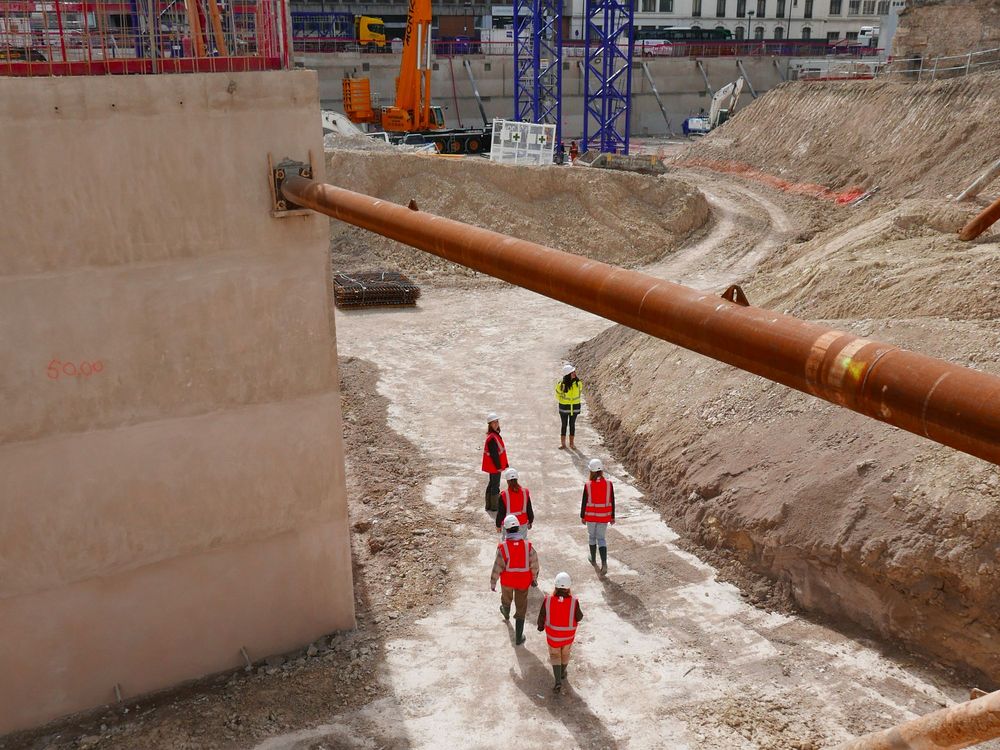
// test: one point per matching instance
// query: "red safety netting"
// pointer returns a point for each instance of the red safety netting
(101, 37)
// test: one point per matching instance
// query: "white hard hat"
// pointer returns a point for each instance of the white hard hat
(567, 369)
(492, 417)
(511, 473)
(563, 581)
(511, 522)
(595, 465)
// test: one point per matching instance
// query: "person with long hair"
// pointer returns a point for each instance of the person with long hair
(516, 500)
(569, 393)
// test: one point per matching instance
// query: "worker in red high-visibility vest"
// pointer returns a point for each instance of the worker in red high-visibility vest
(559, 616)
(516, 500)
(597, 511)
(516, 566)
(494, 460)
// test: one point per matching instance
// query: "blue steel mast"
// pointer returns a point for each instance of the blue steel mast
(607, 99)
(538, 62)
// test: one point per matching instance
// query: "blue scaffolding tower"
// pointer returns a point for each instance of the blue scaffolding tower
(538, 62)
(607, 98)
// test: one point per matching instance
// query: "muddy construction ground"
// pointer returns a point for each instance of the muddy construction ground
(782, 573)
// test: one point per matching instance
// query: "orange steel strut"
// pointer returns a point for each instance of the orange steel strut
(946, 403)
(963, 725)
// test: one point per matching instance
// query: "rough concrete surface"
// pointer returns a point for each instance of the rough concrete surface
(170, 443)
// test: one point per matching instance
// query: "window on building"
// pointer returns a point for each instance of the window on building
(696, 8)
(869, 8)
(808, 12)
(883, 7)
(741, 8)
(740, 32)
(761, 8)
(807, 33)
(666, 6)
(648, 6)
(853, 7)
(779, 33)
(758, 32)
(720, 28)
(851, 36)
(835, 7)
(720, 8)
(832, 36)
(779, 12)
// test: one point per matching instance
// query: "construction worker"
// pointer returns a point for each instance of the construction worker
(559, 616)
(597, 511)
(516, 565)
(569, 391)
(494, 460)
(516, 500)
(574, 151)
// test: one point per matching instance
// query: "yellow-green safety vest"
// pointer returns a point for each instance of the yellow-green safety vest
(570, 397)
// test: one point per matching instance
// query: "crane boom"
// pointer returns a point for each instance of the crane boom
(412, 108)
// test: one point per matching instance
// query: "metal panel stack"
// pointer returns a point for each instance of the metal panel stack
(373, 289)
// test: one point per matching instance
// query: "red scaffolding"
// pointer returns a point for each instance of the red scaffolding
(100, 37)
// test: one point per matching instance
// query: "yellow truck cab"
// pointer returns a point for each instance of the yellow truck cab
(370, 33)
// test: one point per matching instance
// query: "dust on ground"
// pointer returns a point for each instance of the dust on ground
(578, 210)
(401, 566)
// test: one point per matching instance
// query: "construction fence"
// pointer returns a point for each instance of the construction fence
(100, 37)
(947, 66)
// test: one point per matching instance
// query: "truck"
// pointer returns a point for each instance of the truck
(412, 119)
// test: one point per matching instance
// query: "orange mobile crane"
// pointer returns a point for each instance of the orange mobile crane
(412, 118)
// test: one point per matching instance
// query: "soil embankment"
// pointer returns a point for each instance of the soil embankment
(843, 516)
(624, 219)
(909, 139)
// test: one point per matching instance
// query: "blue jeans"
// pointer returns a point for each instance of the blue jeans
(597, 533)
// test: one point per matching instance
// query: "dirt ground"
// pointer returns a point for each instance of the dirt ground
(684, 644)
(926, 140)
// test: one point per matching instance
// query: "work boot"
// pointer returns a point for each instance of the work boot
(593, 554)
(562, 442)
(565, 678)
(519, 631)
(494, 503)
(486, 495)
(604, 561)
(572, 446)
(557, 671)
(505, 611)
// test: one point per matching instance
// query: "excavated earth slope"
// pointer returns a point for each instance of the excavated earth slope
(928, 139)
(625, 219)
(845, 516)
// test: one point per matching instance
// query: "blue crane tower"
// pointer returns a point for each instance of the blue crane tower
(607, 98)
(538, 62)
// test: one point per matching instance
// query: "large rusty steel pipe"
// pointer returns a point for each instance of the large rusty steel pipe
(962, 725)
(947, 403)
(980, 223)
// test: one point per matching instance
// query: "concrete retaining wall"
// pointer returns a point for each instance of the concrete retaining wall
(678, 80)
(170, 429)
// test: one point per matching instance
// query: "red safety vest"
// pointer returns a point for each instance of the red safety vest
(598, 508)
(517, 503)
(487, 460)
(560, 620)
(517, 574)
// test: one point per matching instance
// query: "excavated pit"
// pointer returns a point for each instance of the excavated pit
(866, 524)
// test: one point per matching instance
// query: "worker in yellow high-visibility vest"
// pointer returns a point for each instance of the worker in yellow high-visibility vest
(569, 393)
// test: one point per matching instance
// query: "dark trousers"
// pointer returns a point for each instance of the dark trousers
(493, 488)
(568, 419)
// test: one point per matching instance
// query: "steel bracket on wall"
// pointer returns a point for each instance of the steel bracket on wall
(278, 173)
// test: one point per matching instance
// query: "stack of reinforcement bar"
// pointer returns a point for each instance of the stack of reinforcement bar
(373, 289)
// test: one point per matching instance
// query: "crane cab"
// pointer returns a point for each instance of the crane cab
(437, 117)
